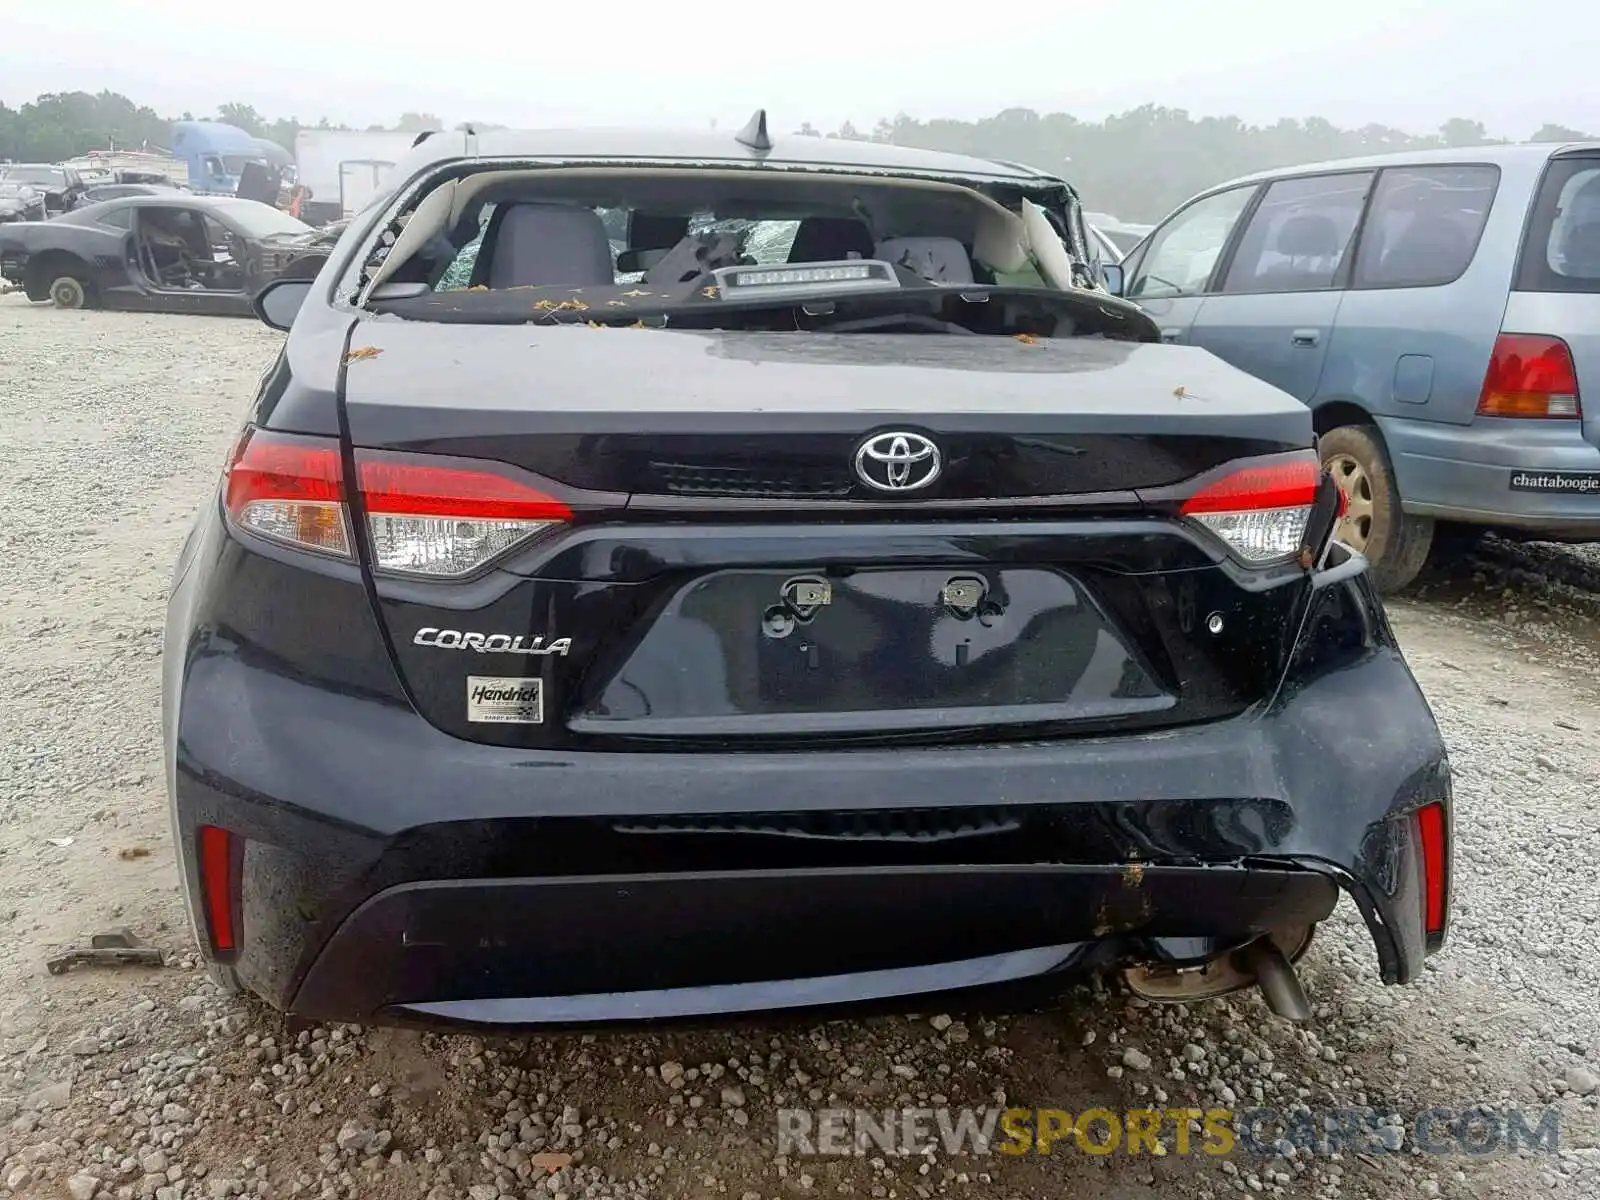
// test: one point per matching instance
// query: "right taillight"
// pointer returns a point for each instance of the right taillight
(426, 515)
(1530, 375)
(1259, 510)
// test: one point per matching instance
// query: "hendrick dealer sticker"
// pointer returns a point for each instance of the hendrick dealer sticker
(499, 701)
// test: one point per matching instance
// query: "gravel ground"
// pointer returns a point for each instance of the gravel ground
(148, 1083)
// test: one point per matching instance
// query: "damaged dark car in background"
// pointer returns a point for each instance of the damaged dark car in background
(716, 574)
(20, 202)
(161, 252)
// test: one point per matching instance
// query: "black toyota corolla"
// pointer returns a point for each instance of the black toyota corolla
(664, 577)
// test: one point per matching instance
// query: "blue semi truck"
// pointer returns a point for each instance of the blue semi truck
(217, 154)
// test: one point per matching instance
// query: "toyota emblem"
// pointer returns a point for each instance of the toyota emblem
(897, 462)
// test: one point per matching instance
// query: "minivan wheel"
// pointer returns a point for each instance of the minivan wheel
(1394, 542)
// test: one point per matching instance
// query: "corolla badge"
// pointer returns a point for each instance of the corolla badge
(489, 643)
(897, 461)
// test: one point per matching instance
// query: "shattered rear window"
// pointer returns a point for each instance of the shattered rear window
(760, 243)
(519, 227)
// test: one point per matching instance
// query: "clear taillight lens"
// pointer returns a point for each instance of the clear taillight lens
(426, 516)
(1259, 511)
(442, 546)
(444, 519)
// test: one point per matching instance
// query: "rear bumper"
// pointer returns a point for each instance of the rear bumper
(393, 872)
(666, 945)
(1464, 473)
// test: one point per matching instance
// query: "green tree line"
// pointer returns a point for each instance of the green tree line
(1137, 164)
(61, 125)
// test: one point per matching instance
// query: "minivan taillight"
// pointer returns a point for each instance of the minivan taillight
(426, 515)
(1259, 510)
(1530, 375)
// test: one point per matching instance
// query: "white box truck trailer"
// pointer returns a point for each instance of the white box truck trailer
(344, 170)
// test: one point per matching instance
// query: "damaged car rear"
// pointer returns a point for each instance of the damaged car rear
(674, 576)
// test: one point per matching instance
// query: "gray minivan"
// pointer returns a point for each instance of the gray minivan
(1438, 310)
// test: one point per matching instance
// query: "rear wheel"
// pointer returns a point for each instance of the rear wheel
(1394, 542)
(225, 977)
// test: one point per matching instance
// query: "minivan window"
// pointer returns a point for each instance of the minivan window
(1182, 254)
(1424, 225)
(1562, 249)
(1298, 235)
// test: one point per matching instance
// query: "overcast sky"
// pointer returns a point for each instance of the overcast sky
(1511, 65)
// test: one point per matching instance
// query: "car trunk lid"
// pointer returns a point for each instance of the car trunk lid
(728, 577)
(779, 416)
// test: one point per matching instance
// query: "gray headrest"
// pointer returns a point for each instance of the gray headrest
(542, 245)
(1427, 248)
(1580, 249)
(1310, 235)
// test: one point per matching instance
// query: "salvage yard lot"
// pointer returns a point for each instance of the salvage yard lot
(148, 1083)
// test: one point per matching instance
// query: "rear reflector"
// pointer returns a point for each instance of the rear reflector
(1430, 824)
(1260, 510)
(426, 515)
(1530, 376)
(216, 878)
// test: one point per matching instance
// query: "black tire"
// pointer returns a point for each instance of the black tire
(225, 977)
(1395, 543)
(69, 291)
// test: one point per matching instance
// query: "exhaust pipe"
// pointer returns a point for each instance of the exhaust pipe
(1260, 963)
(1275, 976)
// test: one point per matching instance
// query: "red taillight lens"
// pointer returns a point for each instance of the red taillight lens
(1259, 510)
(443, 519)
(289, 489)
(1530, 375)
(1435, 869)
(216, 879)
(426, 515)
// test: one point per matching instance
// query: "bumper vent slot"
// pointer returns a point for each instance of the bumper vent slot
(872, 825)
(694, 479)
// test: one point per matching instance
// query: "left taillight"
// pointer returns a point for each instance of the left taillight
(426, 515)
(290, 489)
(1259, 510)
(442, 518)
